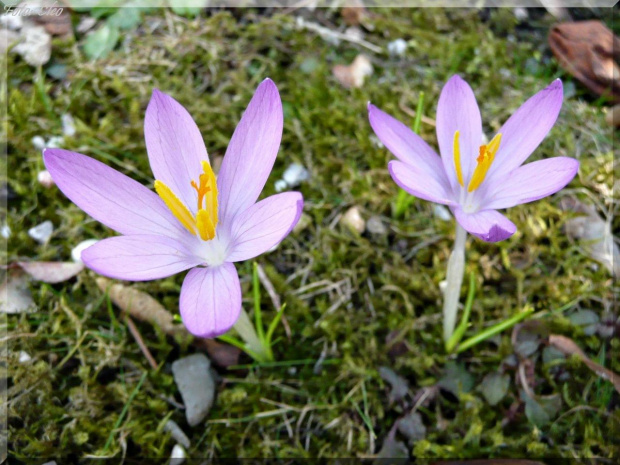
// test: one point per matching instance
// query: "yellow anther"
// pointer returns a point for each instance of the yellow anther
(205, 226)
(457, 159)
(177, 208)
(485, 159)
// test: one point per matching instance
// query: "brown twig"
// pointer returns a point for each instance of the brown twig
(138, 337)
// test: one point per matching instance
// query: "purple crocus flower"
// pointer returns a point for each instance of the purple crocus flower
(476, 180)
(196, 221)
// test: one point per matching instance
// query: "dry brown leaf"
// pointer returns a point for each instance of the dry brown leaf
(353, 76)
(613, 116)
(354, 13)
(144, 307)
(590, 52)
(56, 25)
(51, 272)
(568, 347)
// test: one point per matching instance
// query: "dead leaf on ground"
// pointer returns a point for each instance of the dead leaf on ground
(400, 387)
(355, 74)
(590, 52)
(15, 296)
(594, 233)
(55, 25)
(144, 307)
(51, 272)
(569, 347)
(354, 13)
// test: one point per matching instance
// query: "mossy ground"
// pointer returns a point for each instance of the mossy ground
(212, 64)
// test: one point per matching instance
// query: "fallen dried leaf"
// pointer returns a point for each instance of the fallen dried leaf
(568, 347)
(400, 387)
(51, 272)
(587, 50)
(57, 25)
(354, 75)
(354, 13)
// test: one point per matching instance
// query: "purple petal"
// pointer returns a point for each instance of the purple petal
(210, 300)
(404, 144)
(488, 225)
(527, 127)
(139, 258)
(264, 225)
(174, 145)
(530, 182)
(420, 182)
(457, 110)
(251, 152)
(110, 197)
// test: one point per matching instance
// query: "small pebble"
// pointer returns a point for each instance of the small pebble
(521, 14)
(353, 220)
(53, 462)
(442, 213)
(12, 22)
(178, 455)
(24, 357)
(86, 24)
(45, 179)
(397, 47)
(5, 231)
(376, 226)
(280, 185)
(38, 142)
(177, 433)
(196, 385)
(55, 142)
(76, 253)
(295, 174)
(42, 232)
(68, 125)
(443, 285)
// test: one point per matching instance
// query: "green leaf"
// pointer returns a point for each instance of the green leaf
(494, 387)
(101, 42)
(125, 18)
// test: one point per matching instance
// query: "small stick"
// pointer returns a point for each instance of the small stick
(138, 337)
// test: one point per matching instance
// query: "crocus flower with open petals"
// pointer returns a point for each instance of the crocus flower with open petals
(196, 221)
(476, 180)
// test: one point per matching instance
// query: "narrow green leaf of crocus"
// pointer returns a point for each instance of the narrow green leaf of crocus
(462, 327)
(241, 345)
(274, 324)
(258, 317)
(493, 330)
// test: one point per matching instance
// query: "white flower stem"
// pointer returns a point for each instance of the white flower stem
(247, 333)
(454, 278)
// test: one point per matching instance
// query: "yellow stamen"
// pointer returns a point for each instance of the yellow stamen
(177, 208)
(457, 159)
(486, 157)
(205, 226)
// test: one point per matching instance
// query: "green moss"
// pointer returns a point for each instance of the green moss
(67, 401)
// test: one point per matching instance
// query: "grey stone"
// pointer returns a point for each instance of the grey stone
(196, 385)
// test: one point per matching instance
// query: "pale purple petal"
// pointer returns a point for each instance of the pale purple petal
(488, 225)
(139, 258)
(527, 127)
(457, 110)
(109, 196)
(404, 144)
(264, 225)
(251, 152)
(418, 181)
(530, 182)
(175, 146)
(210, 300)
